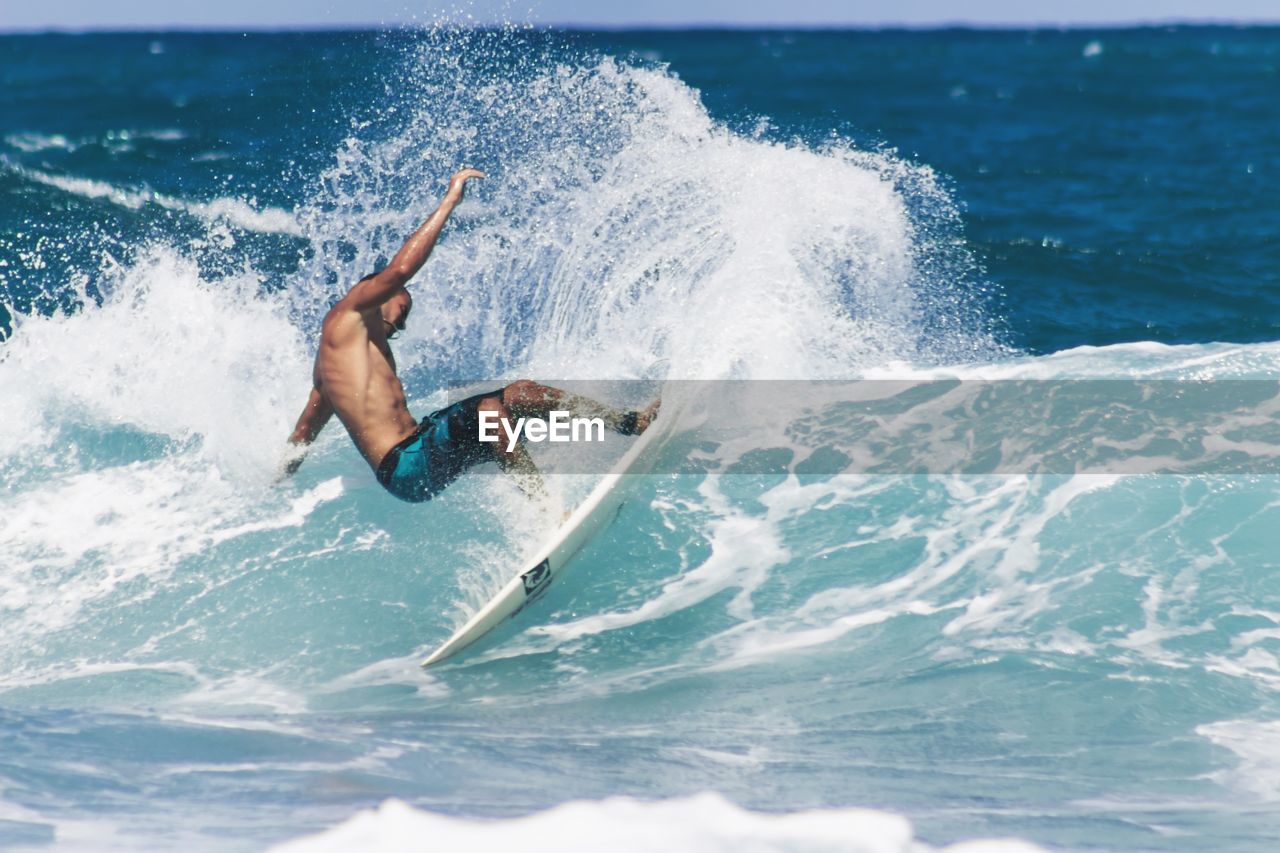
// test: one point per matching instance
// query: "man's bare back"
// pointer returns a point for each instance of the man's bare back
(355, 378)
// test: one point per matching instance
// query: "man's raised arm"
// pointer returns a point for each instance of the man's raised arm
(378, 288)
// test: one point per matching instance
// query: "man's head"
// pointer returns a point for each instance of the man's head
(395, 311)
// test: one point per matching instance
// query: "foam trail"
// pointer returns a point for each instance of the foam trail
(33, 143)
(232, 210)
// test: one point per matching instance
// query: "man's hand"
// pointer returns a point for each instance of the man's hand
(291, 461)
(458, 183)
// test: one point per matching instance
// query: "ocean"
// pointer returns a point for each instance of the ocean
(757, 655)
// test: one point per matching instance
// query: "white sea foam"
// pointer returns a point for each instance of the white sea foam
(142, 432)
(743, 550)
(991, 528)
(699, 824)
(90, 537)
(167, 354)
(1256, 745)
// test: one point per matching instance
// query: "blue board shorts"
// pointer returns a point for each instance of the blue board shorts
(446, 443)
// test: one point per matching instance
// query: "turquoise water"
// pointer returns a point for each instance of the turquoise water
(194, 656)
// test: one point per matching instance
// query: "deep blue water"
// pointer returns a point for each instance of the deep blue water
(194, 656)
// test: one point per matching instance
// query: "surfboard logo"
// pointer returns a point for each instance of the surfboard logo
(536, 580)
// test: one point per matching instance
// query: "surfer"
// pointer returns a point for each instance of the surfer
(355, 378)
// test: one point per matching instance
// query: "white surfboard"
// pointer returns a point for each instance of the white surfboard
(591, 516)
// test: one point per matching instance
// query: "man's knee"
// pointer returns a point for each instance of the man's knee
(492, 404)
(524, 392)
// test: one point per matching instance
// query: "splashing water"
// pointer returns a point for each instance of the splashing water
(622, 225)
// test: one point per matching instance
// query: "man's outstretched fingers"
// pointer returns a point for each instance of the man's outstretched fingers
(458, 183)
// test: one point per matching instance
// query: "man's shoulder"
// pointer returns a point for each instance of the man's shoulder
(347, 306)
(341, 317)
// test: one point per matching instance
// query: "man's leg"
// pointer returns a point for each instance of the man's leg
(527, 399)
(516, 461)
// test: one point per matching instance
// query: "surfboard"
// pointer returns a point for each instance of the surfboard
(549, 562)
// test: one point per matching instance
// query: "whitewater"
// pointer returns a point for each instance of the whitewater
(762, 653)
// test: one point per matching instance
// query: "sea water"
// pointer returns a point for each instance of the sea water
(196, 656)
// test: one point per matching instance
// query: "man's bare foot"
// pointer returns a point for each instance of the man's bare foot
(646, 417)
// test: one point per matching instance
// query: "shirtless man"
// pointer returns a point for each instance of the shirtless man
(355, 378)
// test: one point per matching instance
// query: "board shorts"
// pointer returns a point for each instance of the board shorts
(446, 443)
